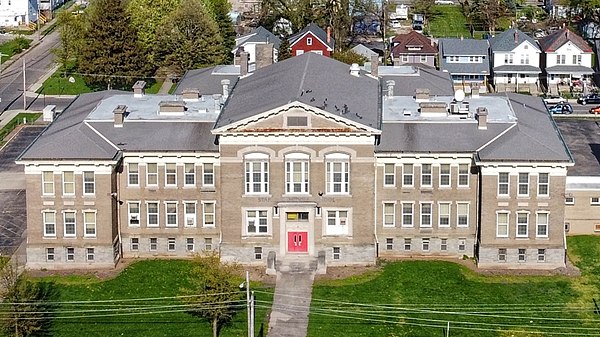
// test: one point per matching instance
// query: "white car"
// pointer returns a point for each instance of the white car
(554, 100)
(444, 2)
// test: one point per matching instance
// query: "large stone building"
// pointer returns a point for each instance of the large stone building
(303, 158)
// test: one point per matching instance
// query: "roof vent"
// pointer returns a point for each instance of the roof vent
(190, 94)
(354, 69)
(433, 109)
(390, 87)
(171, 108)
(119, 115)
(482, 118)
(138, 89)
(225, 83)
(421, 95)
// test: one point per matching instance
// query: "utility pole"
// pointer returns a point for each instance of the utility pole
(252, 314)
(24, 88)
(250, 334)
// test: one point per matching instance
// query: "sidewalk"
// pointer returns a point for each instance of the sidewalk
(291, 304)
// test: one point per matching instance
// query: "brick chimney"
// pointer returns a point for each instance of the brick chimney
(119, 115)
(243, 63)
(482, 118)
(375, 65)
(264, 55)
(328, 35)
(138, 89)
(236, 56)
(516, 36)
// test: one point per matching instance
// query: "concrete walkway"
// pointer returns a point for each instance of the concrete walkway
(165, 87)
(291, 304)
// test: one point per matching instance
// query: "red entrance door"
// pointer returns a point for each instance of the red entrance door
(298, 242)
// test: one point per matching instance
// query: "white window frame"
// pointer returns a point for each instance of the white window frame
(68, 184)
(539, 225)
(408, 174)
(90, 254)
(426, 218)
(87, 182)
(460, 214)
(522, 184)
(190, 244)
(47, 223)
(389, 216)
(299, 52)
(444, 214)
(170, 174)
(261, 185)
(152, 175)
(425, 244)
(292, 186)
(50, 254)
(343, 161)
(462, 242)
(90, 227)
(447, 175)
(541, 255)
(569, 200)
(206, 215)
(500, 225)
(337, 253)
(502, 252)
(171, 244)
(542, 185)
(259, 214)
(151, 215)
(189, 218)
(208, 175)
(389, 178)
(522, 254)
(411, 214)
(74, 223)
(444, 244)
(407, 244)
(133, 173)
(502, 184)
(428, 174)
(134, 244)
(187, 174)
(309, 41)
(47, 183)
(525, 224)
(389, 243)
(153, 246)
(132, 216)
(594, 201)
(170, 214)
(70, 254)
(463, 174)
(208, 244)
(340, 224)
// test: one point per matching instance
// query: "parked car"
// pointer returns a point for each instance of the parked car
(595, 110)
(554, 100)
(591, 98)
(444, 2)
(561, 109)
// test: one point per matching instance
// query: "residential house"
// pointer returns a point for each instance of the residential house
(312, 39)
(48, 6)
(567, 61)
(364, 51)
(467, 61)
(306, 158)
(515, 62)
(250, 41)
(17, 13)
(413, 48)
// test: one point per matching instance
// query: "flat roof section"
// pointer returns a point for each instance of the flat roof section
(583, 139)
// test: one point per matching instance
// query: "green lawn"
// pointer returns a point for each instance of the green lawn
(448, 21)
(17, 120)
(58, 84)
(153, 85)
(418, 298)
(14, 46)
(108, 308)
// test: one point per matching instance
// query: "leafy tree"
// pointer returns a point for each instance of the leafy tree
(284, 50)
(111, 55)
(490, 12)
(349, 57)
(340, 21)
(215, 291)
(71, 28)
(424, 7)
(587, 9)
(219, 11)
(26, 306)
(189, 39)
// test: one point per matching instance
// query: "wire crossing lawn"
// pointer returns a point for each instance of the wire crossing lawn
(144, 279)
(413, 298)
(448, 21)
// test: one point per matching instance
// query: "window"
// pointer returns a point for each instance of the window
(208, 175)
(256, 222)
(47, 182)
(189, 209)
(49, 223)
(426, 214)
(543, 182)
(257, 173)
(171, 214)
(425, 244)
(522, 255)
(337, 253)
(523, 189)
(389, 175)
(389, 244)
(541, 255)
(407, 175)
(524, 58)
(90, 254)
(89, 223)
(407, 243)
(407, 214)
(445, 175)
(463, 175)
(296, 173)
(542, 225)
(502, 255)
(299, 52)
(338, 174)
(153, 244)
(208, 244)
(595, 201)
(134, 244)
(133, 178)
(171, 244)
(170, 175)
(522, 224)
(208, 214)
(569, 201)
(423, 58)
(50, 254)
(134, 213)
(404, 58)
(69, 221)
(426, 175)
(503, 183)
(89, 183)
(70, 254)
(297, 121)
(561, 59)
(152, 174)
(444, 214)
(389, 214)
(258, 252)
(567, 227)
(189, 178)
(462, 244)
(443, 244)
(577, 59)
(309, 41)
(189, 244)
(462, 214)
(337, 222)
(296, 216)
(68, 183)
(502, 224)
(152, 212)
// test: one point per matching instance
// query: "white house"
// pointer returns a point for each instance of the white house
(515, 61)
(14, 13)
(258, 36)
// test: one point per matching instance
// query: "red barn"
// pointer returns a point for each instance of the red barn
(312, 39)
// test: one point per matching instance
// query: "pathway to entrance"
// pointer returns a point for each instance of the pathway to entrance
(291, 303)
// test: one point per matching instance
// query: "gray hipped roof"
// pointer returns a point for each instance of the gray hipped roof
(258, 35)
(510, 39)
(312, 79)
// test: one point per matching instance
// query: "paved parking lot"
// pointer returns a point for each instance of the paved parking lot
(13, 220)
(9, 154)
(583, 139)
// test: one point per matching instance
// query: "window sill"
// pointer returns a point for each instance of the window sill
(133, 186)
(89, 196)
(171, 187)
(256, 195)
(545, 238)
(466, 187)
(49, 237)
(68, 196)
(296, 195)
(522, 238)
(89, 237)
(188, 187)
(257, 236)
(444, 187)
(208, 189)
(389, 187)
(347, 236)
(171, 226)
(504, 197)
(332, 195)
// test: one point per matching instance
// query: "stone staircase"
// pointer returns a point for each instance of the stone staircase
(297, 264)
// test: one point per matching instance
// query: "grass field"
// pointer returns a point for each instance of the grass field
(419, 298)
(14, 46)
(448, 21)
(108, 308)
(58, 84)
